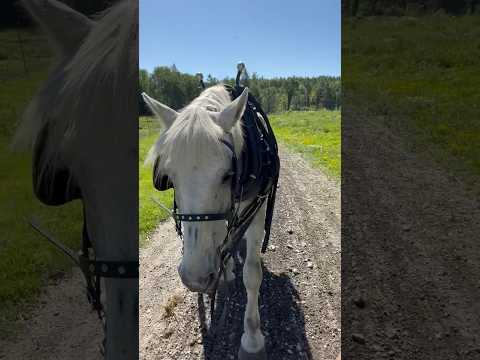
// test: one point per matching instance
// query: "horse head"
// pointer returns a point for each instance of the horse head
(196, 151)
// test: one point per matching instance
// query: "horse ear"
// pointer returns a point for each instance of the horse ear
(162, 112)
(65, 27)
(233, 112)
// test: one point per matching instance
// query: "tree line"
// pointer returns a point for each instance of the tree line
(177, 89)
(408, 7)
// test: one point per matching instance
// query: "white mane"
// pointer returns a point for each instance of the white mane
(194, 131)
(77, 99)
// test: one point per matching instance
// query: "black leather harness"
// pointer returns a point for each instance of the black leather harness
(254, 179)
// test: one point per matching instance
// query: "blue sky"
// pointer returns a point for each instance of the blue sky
(273, 37)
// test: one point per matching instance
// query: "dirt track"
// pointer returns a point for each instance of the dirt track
(300, 294)
(410, 250)
(61, 327)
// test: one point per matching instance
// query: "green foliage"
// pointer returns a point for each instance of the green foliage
(314, 134)
(276, 95)
(436, 97)
(408, 7)
(169, 86)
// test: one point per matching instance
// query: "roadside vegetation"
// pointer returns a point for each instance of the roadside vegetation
(314, 134)
(150, 213)
(435, 101)
(27, 261)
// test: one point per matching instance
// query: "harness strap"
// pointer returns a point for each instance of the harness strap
(269, 216)
(273, 150)
(92, 269)
(200, 217)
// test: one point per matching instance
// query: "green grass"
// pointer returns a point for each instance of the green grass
(314, 134)
(436, 98)
(150, 214)
(26, 259)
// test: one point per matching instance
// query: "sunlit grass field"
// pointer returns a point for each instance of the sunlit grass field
(150, 214)
(436, 97)
(314, 134)
(26, 259)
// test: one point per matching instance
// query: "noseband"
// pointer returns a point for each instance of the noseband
(225, 250)
(237, 223)
(230, 216)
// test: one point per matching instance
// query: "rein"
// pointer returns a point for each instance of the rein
(92, 268)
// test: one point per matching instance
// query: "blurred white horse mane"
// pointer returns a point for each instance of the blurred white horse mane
(93, 57)
(89, 102)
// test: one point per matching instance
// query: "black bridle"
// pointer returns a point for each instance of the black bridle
(237, 222)
(93, 269)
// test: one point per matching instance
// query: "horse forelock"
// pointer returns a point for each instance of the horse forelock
(89, 92)
(194, 134)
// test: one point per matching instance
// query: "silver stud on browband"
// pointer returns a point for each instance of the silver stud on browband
(189, 218)
(104, 268)
(206, 217)
(198, 217)
(121, 270)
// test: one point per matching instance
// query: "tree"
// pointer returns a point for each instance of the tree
(177, 89)
(290, 87)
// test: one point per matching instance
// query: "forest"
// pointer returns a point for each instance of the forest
(177, 89)
(408, 7)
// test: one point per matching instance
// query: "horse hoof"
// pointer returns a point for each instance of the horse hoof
(245, 355)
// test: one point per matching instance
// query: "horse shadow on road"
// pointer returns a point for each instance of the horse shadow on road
(282, 319)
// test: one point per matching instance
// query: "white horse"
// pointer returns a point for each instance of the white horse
(192, 154)
(89, 105)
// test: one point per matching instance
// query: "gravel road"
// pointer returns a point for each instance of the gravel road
(62, 326)
(300, 294)
(299, 304)
(410, 250)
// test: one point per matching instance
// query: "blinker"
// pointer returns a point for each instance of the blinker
(160, 182)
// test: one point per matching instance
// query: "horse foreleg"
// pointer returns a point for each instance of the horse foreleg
(253, 341)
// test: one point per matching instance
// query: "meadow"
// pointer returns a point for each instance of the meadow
(27, 261)
(314, 134)
(420, 75)
(150, 214)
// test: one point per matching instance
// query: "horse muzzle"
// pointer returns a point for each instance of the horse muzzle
(195, 282)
